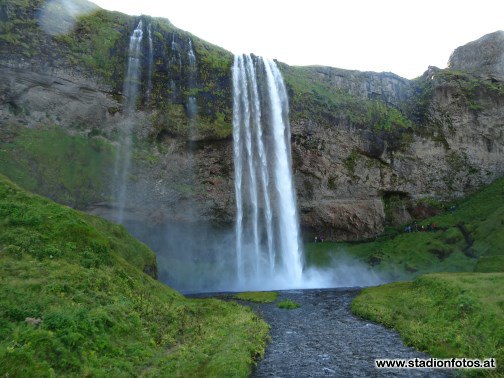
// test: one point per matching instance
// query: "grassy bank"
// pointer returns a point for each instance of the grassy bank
(75, 300)
(468, 237)
(445, 314)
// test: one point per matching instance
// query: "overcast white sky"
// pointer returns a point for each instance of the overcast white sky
(400, 36)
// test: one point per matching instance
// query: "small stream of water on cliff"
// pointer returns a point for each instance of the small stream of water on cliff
(192, 108)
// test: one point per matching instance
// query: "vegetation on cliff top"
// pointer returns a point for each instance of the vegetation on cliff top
(99, 41)
(19, 30)
(98, 45)
(469, 236)
(316, 99)
(75, 301)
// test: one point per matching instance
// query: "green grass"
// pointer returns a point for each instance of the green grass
(288, 304)
(447, 315)
(257, 296)
(475, 230)
(211, 87)
(267, 297)
(20, 33)
(315, 98)
(99, 42)
(70, 169)
(75, 301)
(490, 264)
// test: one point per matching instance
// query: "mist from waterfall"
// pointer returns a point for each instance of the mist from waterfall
(130, 92)
(268, 246)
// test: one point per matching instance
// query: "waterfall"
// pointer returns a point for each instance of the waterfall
(174, 45)
(268, 246)
(191, 56)
(192, 107)
(130, 90)
(132, 79)
(149, 66)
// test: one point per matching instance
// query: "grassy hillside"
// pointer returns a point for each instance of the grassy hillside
(448, 315)
(75, 301)
(468, 237)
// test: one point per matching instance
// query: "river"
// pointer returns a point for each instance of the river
(323, 338)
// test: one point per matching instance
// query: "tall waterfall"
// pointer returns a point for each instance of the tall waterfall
(130, 90)
(268, 246)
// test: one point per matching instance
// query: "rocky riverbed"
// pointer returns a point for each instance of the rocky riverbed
(323, 338)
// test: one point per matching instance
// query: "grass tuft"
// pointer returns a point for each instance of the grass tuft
(257, 296)
(288, 304)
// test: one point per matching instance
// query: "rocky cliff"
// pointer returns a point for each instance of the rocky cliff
(369, 149)
(484, 56)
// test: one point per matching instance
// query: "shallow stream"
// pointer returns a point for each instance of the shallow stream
(323, 338)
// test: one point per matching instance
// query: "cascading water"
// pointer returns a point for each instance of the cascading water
(191, 101)
(191, 56)
(132, 79)
(268, 246)
(130, 90)
(149, 67)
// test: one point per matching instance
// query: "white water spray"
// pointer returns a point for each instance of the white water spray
(130, 90)
(268, 246)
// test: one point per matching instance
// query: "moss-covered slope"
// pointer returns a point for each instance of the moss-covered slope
(70, 169)
(75, 301)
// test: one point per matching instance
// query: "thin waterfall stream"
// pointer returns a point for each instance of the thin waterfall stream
(130, 91)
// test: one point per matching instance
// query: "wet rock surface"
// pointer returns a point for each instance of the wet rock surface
(323, 338)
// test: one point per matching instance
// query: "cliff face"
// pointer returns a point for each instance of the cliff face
(369, 149)
(352, 180)
(484, 56)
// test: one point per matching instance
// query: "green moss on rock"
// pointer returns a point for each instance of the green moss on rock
(72, 170)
